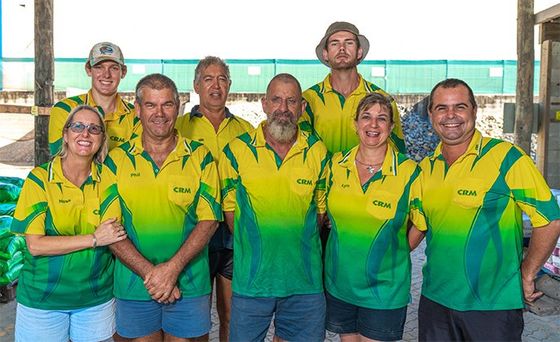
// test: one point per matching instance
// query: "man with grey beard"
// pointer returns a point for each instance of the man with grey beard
(273, 189)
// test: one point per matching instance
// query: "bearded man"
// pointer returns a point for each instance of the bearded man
(273, 190)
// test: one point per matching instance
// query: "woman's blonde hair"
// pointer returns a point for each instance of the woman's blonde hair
(101, 153)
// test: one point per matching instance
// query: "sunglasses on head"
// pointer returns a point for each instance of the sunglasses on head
(78, 127)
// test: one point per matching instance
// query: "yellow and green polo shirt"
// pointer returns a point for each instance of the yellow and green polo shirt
(160, 207)
(196, 126)
(275, 204)
(474, 227)
(331, 115)
(367, 260)
(120, 124)
(49, 204)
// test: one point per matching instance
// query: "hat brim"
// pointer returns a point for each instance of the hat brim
(95, 61)
(364, 45)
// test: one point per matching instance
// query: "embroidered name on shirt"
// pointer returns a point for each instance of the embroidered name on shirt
(466, 192)
(381, 204)
(63, 201)
(117, 139)
(182, 190)
(135, 174)
(304, 181)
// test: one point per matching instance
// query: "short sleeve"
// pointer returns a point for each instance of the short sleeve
(229, 173)
(208, 207)
(31, 208)
(531, 193)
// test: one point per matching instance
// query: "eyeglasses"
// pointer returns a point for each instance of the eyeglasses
(78, 127)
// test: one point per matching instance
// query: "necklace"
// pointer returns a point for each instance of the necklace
(371, 168)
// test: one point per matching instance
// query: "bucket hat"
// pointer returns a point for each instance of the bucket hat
(337, 27)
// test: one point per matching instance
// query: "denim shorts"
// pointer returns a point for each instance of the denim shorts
(296, 318)
(186, 318)
(376, 324)
(93, 324)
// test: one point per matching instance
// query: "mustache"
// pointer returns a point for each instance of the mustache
(451, 121)
(283, 114)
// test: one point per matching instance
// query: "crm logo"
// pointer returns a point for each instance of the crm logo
(382, 204)
(466, 192)
(304, 181)
(181, 190)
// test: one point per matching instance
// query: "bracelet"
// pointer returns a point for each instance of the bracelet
(94, 241)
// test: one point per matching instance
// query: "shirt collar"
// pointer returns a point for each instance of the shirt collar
(182, 148)
(390, 163)
(195, 111)
(56, 175)
(120, 109)
(362, 88)
(475, 147)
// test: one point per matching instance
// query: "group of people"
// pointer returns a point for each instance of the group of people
(132, 240)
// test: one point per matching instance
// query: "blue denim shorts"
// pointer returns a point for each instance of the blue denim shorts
(377, 324)
(93, 324)
(296, 318)
(186, 318)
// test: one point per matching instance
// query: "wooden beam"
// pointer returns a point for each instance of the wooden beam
(19, 109)
(550, 31)
(525, 73)
(44, 75)
(544, 107)
(548, 14)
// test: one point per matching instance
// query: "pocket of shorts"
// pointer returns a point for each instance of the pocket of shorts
(382, 204)
(180, 191)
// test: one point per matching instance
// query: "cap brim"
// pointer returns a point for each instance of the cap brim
(364, 44)
(103, 59)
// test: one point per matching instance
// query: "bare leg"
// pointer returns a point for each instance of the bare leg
(223, 305)
(155, 337)
(171, 338)
(354, 338)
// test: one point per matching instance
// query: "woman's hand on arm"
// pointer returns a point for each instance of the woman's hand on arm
(107, 232)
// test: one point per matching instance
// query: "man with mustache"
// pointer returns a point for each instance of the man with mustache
(474, 189)
(105, 65)
(332, 103)
(273, 197)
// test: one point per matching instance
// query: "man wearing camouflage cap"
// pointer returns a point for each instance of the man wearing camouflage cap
(105, 65)
(332, 103)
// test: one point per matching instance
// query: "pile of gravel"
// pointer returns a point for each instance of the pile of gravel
(421, 139)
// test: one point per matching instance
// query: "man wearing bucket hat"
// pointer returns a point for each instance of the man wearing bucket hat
(105, 65)
(332, 103)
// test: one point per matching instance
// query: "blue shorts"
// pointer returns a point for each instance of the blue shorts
(376, 324)
(93, 324)
(296, 318)
(186, 318)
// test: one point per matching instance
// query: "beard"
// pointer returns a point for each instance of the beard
(348, 64)
(282, 126)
